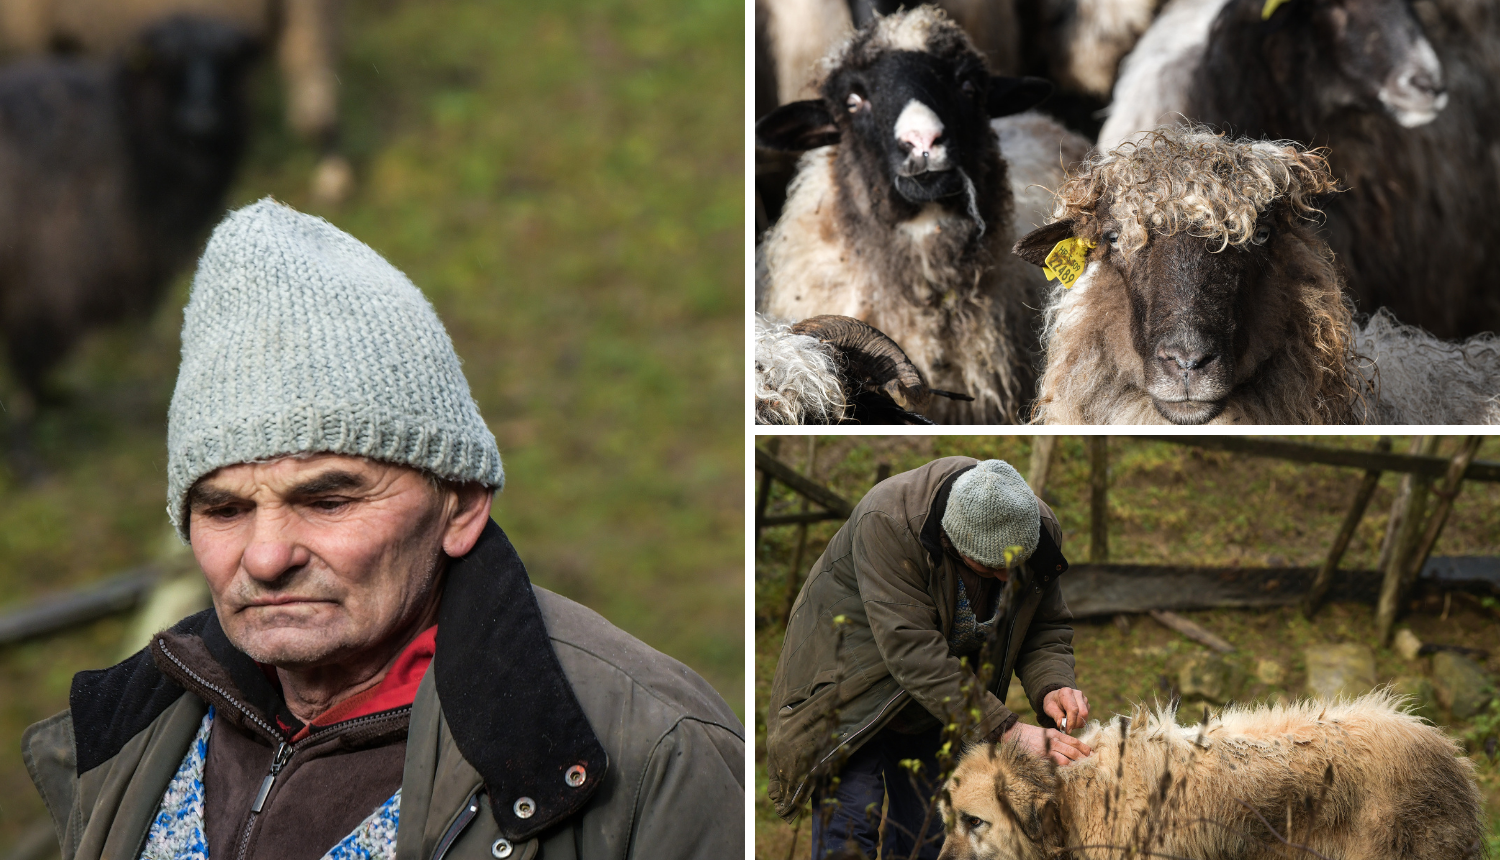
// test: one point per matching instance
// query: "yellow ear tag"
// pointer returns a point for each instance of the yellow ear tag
(1270, 8)
(1067, 260)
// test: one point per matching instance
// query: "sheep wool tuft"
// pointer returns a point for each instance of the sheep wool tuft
(300, 339)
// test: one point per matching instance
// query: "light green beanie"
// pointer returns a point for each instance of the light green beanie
(298, 338)
(992, 516)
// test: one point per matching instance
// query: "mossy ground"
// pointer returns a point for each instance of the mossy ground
(1167, 504)
(565, 182)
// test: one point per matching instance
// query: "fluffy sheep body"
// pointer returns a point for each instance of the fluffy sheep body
(1356, 779)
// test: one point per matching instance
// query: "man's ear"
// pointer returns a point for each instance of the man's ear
(796, 126)
(469, 517)
(1036, 245)
(1013, 95)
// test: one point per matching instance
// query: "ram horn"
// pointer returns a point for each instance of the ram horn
(871, 361)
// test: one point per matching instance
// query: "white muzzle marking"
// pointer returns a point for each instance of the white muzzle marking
(919, 128)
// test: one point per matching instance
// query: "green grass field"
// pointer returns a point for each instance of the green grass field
(565, 182)
(1172, 505)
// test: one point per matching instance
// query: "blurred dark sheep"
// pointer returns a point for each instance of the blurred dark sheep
(304, 32)
(110, 172)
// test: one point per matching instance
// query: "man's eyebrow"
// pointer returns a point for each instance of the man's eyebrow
(201, 496)
(332, 481)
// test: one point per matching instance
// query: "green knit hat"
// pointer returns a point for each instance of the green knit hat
(992, 516)
(298, 338)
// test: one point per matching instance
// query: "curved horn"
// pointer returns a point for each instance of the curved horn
(871, 359)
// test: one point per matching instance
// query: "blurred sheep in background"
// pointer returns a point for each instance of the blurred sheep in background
(110, 171)
(305, 34)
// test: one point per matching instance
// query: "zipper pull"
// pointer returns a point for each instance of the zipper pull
(283, 753)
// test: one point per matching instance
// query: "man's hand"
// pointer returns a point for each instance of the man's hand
(1067, 707)
(1048, 742)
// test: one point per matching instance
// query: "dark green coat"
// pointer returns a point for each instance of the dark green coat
(524, 686)
(837, 684)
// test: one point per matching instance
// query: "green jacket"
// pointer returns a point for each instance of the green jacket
(895, 590)
(525, 688)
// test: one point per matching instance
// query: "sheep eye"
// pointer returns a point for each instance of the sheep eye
(855, 102)
(1112, 237)
(1262, 234)
(973, 822)
(969, 88)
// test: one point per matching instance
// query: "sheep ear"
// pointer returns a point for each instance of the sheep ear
(1013, 95)
(796, 126)
(1036, 245)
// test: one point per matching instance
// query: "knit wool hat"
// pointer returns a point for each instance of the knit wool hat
(299, 338)
(992, 516)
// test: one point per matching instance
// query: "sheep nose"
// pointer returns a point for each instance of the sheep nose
(920, 141)
(1184, 357)
(1423, 81)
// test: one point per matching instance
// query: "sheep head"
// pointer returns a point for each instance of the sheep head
(1205, 283)
(908, 98)
(1366, 54)
(1001, 802)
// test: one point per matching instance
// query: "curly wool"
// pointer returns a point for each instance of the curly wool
(1194, 180)
(796, 377)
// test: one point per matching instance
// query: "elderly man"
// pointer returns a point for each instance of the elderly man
(884, 640)
(377, 678)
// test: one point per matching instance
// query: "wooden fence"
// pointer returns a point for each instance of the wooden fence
(1101, 588)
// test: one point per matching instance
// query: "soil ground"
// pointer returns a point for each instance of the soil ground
(1169, 504)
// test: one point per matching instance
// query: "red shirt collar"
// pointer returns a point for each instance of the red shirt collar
(397, 689)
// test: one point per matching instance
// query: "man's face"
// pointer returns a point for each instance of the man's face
(1000, 573)
(312, 560)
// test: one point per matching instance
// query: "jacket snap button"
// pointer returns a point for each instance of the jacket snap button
(525, 807)
(576, 775)
(502, 848)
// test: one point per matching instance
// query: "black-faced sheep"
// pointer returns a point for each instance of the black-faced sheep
(1205, 295)
(109, 173)
(835, 370)
(1405, 96)
(305, 33)
(903, 213)
(1349, 779)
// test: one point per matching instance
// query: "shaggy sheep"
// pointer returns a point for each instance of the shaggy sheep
(835, 370)
(1081, 42)
(109, 173)
(903, 213)
(1410, 125)
(1204, 295)
(305, 33)
(1359, 778)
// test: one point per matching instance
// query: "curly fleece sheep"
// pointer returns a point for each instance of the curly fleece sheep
(1208, 297)
(1352, 779)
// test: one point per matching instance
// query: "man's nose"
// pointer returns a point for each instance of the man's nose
(273, 549)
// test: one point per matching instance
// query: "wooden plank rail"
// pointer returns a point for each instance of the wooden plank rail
(50, 614)
(807, 487)
(1304, 452)
(1105, 589)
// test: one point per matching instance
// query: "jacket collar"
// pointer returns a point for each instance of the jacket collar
(511, 709)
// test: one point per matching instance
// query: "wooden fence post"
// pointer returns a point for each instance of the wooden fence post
(1452, 482)
(763, 495)
(1041, 463)
(1356, 513)
(1099, 499)
(1402, 545)
(794, 575)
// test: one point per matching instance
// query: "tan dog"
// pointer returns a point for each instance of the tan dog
(1360, 780)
